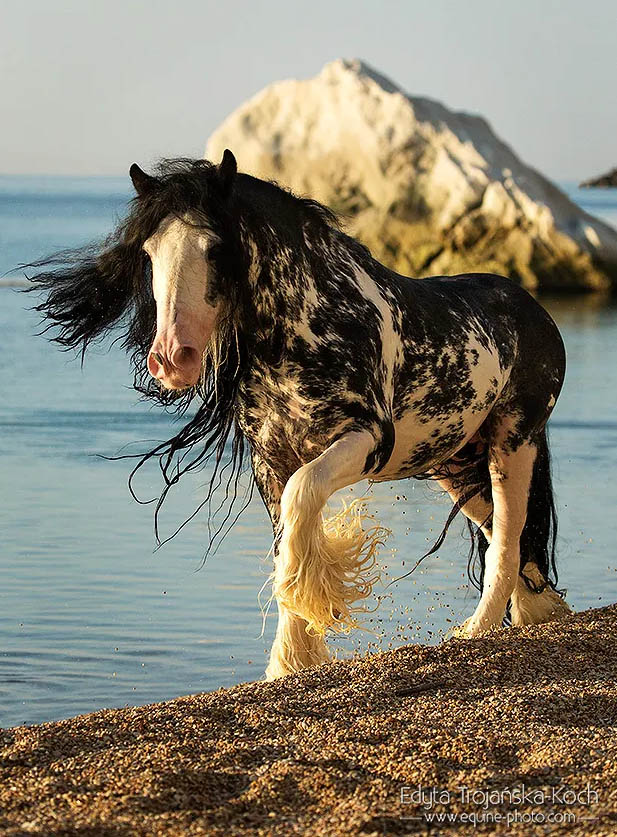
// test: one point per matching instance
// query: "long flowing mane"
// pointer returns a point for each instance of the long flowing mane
(92, 290)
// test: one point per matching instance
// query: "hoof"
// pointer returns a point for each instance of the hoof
(273, 673)
(465, 631)
(529, 608)
(471, 628)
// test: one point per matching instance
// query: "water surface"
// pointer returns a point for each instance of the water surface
(91, 617)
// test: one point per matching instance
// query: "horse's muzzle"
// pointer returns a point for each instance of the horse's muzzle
(178, 367)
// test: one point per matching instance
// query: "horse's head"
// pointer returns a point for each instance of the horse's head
(184, 283)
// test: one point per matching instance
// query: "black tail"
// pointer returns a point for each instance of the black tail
(540, 533)
(539, 536)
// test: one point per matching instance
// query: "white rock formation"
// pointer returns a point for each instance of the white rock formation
(429, 190)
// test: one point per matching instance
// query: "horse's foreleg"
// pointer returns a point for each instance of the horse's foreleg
(293, 648)
(322, 567)
(510, 472)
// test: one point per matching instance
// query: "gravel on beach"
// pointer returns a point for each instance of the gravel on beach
(512, 733)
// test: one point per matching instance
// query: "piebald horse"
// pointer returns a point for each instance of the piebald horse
(327, 368)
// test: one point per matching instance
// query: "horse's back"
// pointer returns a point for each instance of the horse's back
(482, 294)
(513, 319)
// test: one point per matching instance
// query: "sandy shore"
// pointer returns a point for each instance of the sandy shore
(344, 749)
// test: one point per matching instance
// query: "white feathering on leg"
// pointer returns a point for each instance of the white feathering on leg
(529, 608)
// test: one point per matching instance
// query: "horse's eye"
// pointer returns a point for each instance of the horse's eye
(213, 253)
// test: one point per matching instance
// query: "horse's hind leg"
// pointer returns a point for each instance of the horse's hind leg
(512, 472)
(321, 568)
(510, 475)
(533, 600)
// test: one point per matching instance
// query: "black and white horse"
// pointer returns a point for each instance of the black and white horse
(327, 368)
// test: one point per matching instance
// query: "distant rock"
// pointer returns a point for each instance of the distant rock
(429, 190)
(608, 180)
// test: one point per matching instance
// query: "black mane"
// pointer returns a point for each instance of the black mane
(94, 289)
(91, 291)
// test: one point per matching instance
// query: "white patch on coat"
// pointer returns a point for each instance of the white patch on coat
(392, 348)
(302, 327)
(592, 236)
(180, 269)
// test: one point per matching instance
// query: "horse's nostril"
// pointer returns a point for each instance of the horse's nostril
(156, 365)
(176, 366)
(184, 357)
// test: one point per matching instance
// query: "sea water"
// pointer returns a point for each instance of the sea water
(91, 616)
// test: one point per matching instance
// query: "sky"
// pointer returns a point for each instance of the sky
(89, 86)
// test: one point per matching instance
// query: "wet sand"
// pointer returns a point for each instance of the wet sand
(516, 730)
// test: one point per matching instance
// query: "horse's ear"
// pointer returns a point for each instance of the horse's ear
(142, 182)
(227, 170)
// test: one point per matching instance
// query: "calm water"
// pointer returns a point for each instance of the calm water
(92, 617)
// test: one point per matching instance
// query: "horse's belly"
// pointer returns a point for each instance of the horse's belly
(434, 424)
(417, 451)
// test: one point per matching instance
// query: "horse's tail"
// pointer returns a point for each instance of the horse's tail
(540, 533)
(476, 560)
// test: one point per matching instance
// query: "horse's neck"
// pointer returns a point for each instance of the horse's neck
(282, 285)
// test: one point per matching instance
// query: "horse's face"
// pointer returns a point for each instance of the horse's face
(183, 282)
(186, 307)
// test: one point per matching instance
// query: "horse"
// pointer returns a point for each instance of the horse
(323, 368)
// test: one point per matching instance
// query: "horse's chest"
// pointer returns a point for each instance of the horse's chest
(275, 415)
